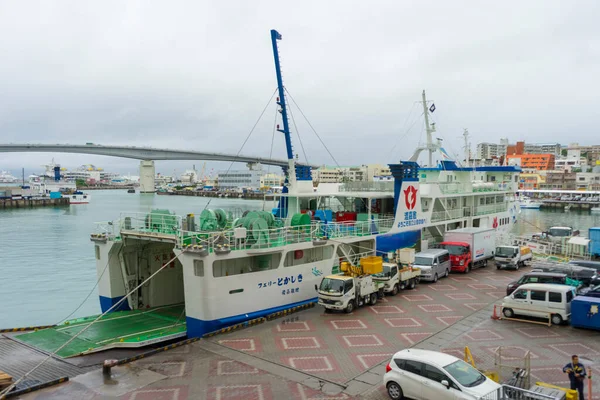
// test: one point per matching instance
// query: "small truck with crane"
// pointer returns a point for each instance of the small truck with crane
(363, 284)
(352, 288)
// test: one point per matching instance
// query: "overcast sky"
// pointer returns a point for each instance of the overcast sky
(197, 75)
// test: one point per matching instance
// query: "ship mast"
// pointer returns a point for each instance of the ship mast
(467, 147)
(291, 170)
(429, 129)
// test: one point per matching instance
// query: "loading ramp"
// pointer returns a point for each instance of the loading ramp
(120, 329)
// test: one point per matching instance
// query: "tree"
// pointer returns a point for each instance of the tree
(563, 152)
(80, 183)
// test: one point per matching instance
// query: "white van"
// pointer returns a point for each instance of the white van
(542, 300)
(434, 264)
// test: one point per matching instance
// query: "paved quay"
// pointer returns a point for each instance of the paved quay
(313, 355)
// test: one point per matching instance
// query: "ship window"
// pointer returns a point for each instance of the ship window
(246, 265)
(97, 248)
(314, 254)
(199, 267)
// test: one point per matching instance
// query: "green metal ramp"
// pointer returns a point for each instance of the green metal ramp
(124, 329)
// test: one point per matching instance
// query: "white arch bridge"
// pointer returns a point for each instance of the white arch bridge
(146, 155)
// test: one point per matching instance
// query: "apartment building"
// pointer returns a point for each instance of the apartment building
(539, 162)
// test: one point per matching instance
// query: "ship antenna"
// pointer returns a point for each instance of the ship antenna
(291, 170)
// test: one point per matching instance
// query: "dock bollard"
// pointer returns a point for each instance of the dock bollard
(108, 364)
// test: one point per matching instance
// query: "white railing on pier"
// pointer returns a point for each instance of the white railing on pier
(506, 392)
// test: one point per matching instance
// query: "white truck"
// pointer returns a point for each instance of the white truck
(470, 247)
(512, 256)
(353, 288)
(395, 278)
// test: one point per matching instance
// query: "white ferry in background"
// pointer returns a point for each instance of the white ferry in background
(6, 177)
(229, 267)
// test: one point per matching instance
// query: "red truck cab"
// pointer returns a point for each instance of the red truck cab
(460, 255)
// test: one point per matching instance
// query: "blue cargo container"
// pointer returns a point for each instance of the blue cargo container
(55, 195)
(595, 241)
(585, 312)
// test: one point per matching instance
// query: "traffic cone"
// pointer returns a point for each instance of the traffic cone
(495, 315)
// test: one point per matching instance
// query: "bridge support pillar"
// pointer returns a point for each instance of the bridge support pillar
(147, 175)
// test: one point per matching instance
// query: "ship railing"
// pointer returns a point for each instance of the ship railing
(232, 239)
(367, 187)
(507, 392)
(449, 214)
(490, 208)
(106, 228)
(168, 224)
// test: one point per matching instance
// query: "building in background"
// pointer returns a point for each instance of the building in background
(560, 180)
(241, 179)
(488, 151)
(363, 173)
(270, 181)
(539, 162)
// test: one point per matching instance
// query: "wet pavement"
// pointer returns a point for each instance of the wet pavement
(313, 355)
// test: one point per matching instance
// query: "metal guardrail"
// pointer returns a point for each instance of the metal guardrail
(506, 392)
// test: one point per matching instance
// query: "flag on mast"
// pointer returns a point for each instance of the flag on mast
(432, 108)
(445, 154)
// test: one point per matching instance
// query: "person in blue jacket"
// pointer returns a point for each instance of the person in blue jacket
(577, 375)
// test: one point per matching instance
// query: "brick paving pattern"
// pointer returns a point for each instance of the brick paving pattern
(313, 355)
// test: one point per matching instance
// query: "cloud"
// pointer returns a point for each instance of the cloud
(198, 74)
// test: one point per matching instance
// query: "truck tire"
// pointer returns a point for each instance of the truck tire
(447, 273)
(518, 265)
(350, 307)
(411, 284)
(484, 263)
(395, 290)
(468, 269)
(373, 298)
(402, 285)
(327, 311)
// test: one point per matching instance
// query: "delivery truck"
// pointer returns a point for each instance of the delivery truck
(470, 247)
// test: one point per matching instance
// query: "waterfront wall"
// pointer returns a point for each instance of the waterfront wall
(107, 187)
(31, 203)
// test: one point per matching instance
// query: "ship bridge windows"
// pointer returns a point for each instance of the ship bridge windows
(246, 265)
(305, 256)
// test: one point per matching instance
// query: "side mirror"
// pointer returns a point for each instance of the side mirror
(446, 383)
(316, 288)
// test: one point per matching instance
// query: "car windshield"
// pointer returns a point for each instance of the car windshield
(332, 285)
(387, 270)
(561, 232)
(423, 260)
(465, 374)
(505, 251)
(455, 250)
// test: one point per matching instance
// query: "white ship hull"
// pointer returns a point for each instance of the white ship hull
(78, 198)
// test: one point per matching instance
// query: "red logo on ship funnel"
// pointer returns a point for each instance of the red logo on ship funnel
(495, 223)
(410, 197)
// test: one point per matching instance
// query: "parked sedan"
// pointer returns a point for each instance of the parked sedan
(425, 375)
(536, 277)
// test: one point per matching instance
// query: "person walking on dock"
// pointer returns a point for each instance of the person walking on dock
(577, 375)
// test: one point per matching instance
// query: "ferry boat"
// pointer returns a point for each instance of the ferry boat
(224, 267)
(6, 177)
(229, 268)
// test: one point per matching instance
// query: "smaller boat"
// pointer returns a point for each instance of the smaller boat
(526, 202)
(78, 197)
(595, 210)
(130, 190)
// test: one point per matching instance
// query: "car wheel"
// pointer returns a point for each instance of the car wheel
(394, 391)
(497, 267)
(349, 307)
(518, 266)
(395, 290)
(557, 319)
(484, 264)
(435, 278)
(327, 311)
(447, 273)
(373, 298)
(412, 284)
(508, 312)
